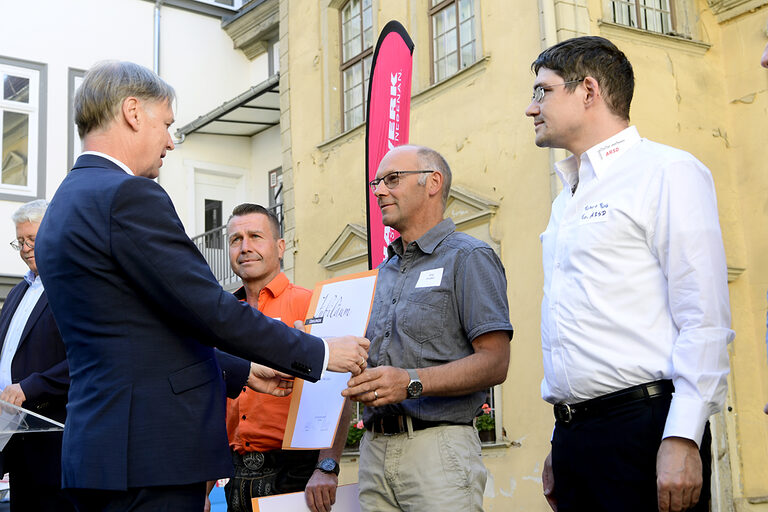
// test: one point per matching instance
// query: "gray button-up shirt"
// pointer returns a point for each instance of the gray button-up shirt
(447, 289)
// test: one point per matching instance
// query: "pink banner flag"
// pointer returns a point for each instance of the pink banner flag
(386, 122)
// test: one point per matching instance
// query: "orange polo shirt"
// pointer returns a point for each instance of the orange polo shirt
(256, 421)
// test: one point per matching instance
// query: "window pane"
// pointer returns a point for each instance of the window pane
(366, 75)
(467, 55)
(16, 88)
(367, 28)
(467, 32)
(15, 148)
(450, 41)
(465, 10)
(452, 63)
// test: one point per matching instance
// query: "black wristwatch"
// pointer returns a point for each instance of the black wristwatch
(414, 386)
(328, 465)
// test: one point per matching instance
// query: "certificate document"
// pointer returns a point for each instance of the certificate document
(346, 501)
(339, 307)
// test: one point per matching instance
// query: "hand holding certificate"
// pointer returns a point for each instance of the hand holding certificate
(340, 305)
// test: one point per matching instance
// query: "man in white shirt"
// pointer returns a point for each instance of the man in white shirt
(635, 316)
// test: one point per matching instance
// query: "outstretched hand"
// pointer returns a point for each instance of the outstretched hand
(13, 394)
(266, 380)
(378, 386)
(348, 354)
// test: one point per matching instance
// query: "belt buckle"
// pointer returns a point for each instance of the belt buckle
(563, 412)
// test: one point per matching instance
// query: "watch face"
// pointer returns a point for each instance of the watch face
(328, 465)
(414, 389)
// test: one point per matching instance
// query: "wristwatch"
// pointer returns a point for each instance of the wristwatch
(414, 386)
(328, 465)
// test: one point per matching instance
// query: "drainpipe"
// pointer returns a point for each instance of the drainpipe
(156, 45)
(548, 26)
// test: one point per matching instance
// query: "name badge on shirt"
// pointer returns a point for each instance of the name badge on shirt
(595, 212)
(430, 278)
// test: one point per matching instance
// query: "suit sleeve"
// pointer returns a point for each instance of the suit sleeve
(54, 382)
(234, 371)
(148, 243)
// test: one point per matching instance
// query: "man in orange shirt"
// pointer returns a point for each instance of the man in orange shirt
(256, 421)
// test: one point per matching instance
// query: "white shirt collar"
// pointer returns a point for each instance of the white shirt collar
(111, 159)
(597, 159)
(32, 278)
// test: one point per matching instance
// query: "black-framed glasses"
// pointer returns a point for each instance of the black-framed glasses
(539, 90)
(19, 244)
(392, 179)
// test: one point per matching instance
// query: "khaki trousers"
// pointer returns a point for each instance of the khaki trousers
(437, 468)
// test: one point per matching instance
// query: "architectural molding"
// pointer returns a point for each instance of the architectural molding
(725, 10)
(470, 212)
(615, 30)
(253, 28)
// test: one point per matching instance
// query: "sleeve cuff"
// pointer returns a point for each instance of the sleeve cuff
(686, 419)
(325, 359)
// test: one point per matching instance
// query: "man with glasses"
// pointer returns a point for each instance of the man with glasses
(33, 374)
(439, 334)
(635, 316)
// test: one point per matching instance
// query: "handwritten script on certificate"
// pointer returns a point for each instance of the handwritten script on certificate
(339, 307)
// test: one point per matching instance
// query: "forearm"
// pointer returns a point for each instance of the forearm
(485, 368)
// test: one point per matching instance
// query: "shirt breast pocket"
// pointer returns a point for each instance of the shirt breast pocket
(424, 316)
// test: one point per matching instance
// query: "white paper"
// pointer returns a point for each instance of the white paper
(342, 309)
(346, 501)
(429, 278)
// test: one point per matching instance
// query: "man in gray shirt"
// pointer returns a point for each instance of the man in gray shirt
(439, 334)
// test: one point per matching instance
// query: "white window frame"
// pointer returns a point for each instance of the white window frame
(358, 59)
(634, 14)
(35, 109)
(436, 8)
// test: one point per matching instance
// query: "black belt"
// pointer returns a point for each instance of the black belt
(398, 424)
(596, 406)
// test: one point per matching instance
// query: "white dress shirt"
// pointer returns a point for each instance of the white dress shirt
(635, 280)
(16, 327)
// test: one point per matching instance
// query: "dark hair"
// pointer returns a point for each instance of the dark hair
(249, 208)
(580, 57)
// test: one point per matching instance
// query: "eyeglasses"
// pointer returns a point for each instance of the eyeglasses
(19, 244)
(539, 90)
(392, 179)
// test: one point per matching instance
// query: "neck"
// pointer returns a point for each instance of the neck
(103, 142)
(253, 288)
(602, 130)
(419, 229)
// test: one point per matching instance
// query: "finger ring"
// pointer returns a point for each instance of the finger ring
(375, 395)
(362, 361)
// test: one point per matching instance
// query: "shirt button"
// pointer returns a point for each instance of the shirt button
(243, 416)
(402, 270)
(386, 334)
(394, 301)
(247, 443)
(244, 388)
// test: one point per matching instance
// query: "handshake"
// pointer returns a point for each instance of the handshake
(345, 354)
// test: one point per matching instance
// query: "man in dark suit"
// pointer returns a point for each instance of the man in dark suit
(139, 311)
(34, 375)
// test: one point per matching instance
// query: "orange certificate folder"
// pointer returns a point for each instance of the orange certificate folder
(346, 501)
(339, 306)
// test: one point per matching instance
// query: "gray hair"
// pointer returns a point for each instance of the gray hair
(32, 211)
(431, 159)
(106, 85)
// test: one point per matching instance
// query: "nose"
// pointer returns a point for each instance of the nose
(533, 109)
(381, 189)
(170, 146)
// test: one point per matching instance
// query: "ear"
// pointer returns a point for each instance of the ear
(280, 248)
(435, 184)
(132, 112)
(593, 91)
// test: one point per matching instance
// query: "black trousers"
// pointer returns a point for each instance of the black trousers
(28, 496)
(608, 463)
(167, 498)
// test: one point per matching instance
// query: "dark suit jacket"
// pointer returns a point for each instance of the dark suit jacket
(40, 368)
(139, 311)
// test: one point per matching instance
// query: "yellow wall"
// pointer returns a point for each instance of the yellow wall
(684, 95)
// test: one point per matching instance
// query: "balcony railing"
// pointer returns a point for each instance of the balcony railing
(215, 249)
